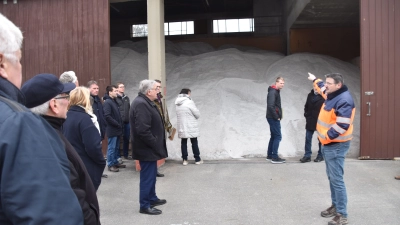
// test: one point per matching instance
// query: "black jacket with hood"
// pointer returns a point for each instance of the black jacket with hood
(113, 117)
(274, 109)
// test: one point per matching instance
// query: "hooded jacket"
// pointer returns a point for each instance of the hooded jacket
(147, 130)
(187, 117)
(112, 117)
(274, 109)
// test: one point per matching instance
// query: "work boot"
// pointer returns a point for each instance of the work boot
(339, 219)
(329, 212)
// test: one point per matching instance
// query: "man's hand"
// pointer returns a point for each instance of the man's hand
(311, 76)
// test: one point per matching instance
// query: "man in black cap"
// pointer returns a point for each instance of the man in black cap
(34, 168)
(55, 95)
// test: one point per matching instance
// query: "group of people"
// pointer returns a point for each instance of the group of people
(330, 111)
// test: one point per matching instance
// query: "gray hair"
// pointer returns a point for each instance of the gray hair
(337, 77)
(146, 85)
(10, 39)
(41, 109)
(68, 77)
(91, 82)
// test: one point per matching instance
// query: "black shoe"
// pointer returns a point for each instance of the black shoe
(305, 159)
(277, 160)
(158, 202)
(151, 211)
(104, 175)
(160, 174)
(318, 159)
(269, 158)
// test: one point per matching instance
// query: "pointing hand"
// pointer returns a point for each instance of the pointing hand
(311, 76)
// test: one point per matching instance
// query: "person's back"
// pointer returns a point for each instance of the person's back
(34, 169)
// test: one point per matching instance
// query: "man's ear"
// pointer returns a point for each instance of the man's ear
(53, 106)
(3, 67)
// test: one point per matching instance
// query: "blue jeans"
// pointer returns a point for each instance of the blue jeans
(195, 149)
(308, 152)
(147, 193)
(127, 133)
(112, 151)
(276, 137)
(334, 160)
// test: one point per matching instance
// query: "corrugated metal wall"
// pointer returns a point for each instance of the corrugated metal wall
(62, 35)
(380, 74)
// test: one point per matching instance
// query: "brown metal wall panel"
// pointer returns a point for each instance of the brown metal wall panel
(62, 35)
(380, 50)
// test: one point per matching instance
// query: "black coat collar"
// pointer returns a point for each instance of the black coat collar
(10, 91)
(338, 92)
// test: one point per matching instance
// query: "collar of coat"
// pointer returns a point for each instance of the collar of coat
(10, 91)
(147, 99)
(338, 92)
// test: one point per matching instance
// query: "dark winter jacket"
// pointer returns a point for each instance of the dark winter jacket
(85, 138)
(34, 168)
(124, 105)
(147, 130)
(274, 109)
(97, 106)
(112, 117)
(79, 177)
(311, 109)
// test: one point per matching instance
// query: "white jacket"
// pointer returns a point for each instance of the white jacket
(187, 117)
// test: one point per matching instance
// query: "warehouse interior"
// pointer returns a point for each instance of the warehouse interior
(289, 26)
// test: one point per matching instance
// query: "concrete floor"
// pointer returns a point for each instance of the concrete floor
(253, 191)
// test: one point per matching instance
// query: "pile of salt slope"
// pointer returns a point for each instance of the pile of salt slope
(229, 87)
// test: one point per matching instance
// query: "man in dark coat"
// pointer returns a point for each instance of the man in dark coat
(54, 111)
(311, 112)
(148, 143)
(97, 106)
(274, 116)
(114, 128)
(124, 105)
(34, 168)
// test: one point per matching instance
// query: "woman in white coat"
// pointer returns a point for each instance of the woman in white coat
(188, 125)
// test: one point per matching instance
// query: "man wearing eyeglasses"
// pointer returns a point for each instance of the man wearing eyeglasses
(55, 95)
(335, 129)
(148, 143)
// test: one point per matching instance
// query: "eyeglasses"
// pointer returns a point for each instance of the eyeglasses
(62, 97)
(157, 88)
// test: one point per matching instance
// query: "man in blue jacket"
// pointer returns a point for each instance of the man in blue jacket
(114, 128)
(34, 169)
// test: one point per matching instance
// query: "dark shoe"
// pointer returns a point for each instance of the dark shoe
(305, 159)
(104, 175)
(329, 212)
(128, 158)
(269, 158)
(338, 220)
(277, 160)
(158, 202)
(113, 169)
(160, 174)
(120, 166)
(151, 211)
(319, 159)
(397, 177)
